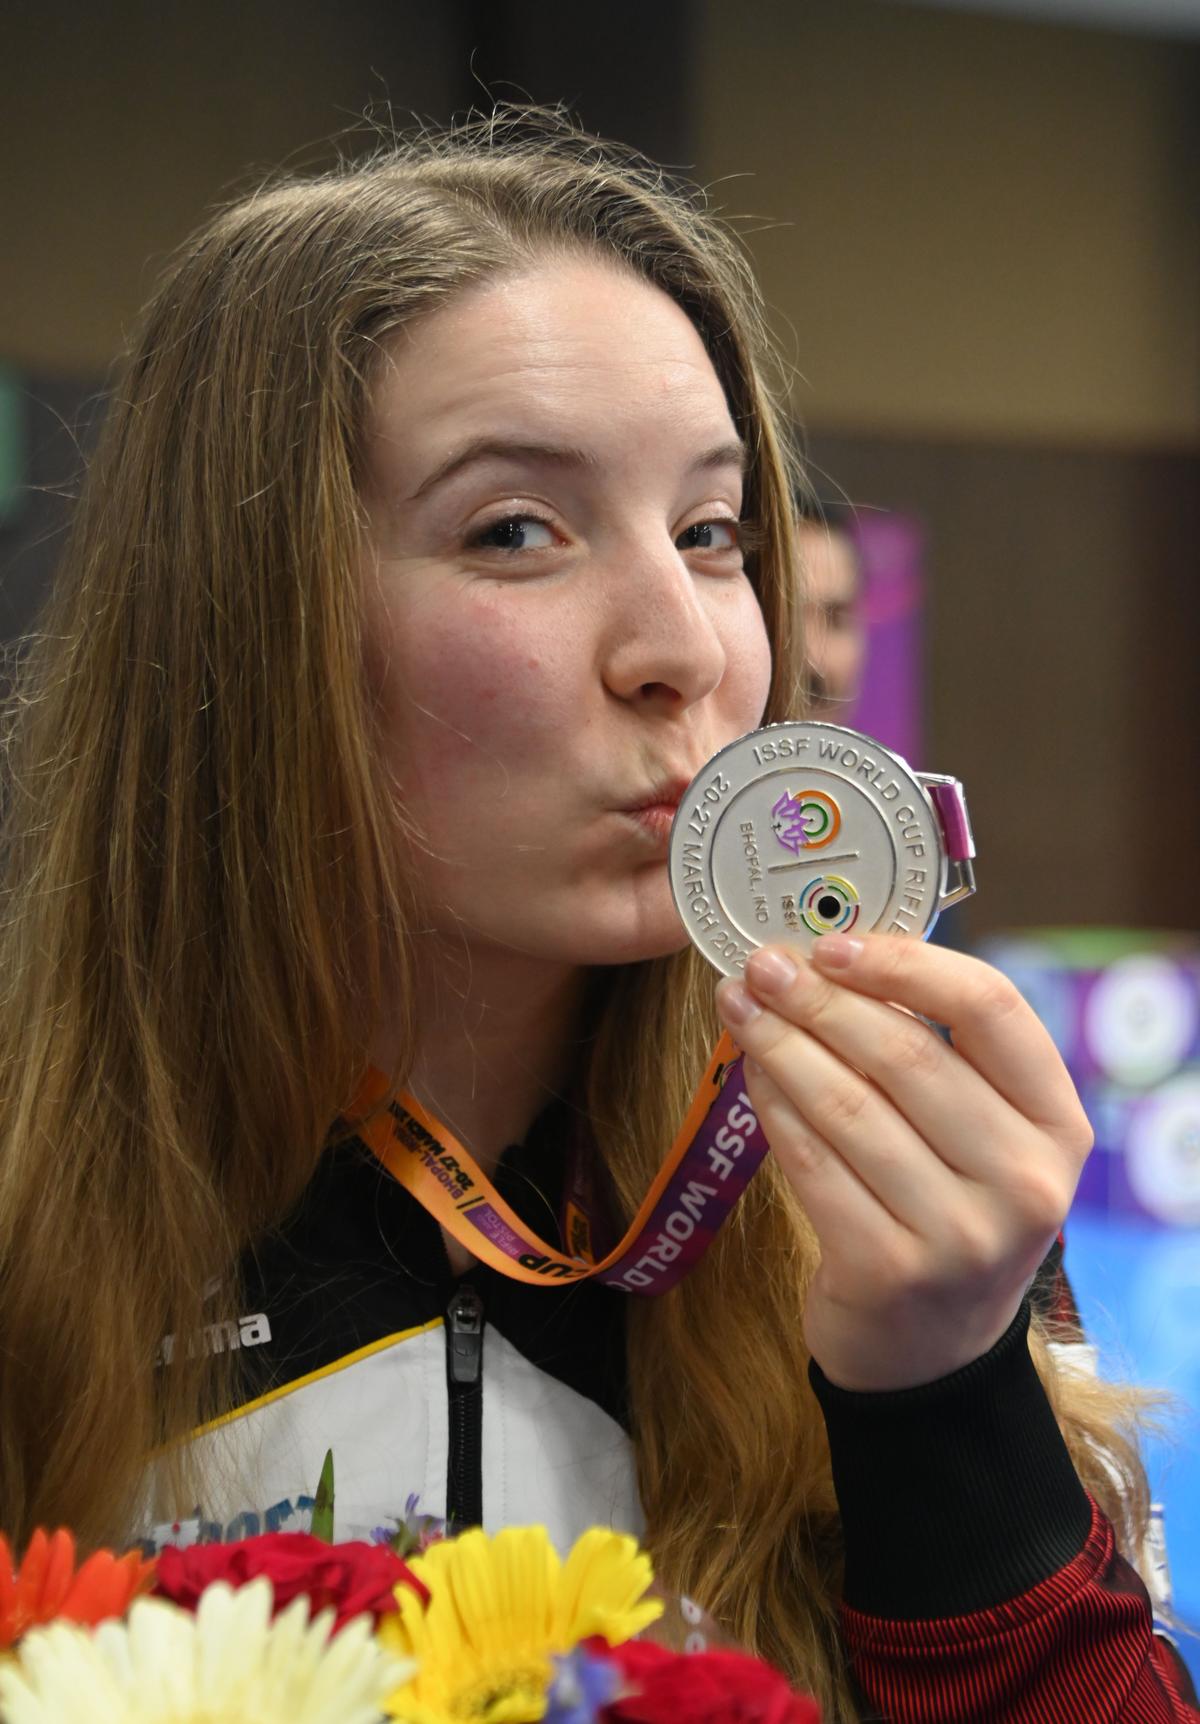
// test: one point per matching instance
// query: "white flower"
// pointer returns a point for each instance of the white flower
(227, 1664)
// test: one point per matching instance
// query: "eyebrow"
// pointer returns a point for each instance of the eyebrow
(732, 453)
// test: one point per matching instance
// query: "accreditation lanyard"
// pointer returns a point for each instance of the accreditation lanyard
(710, 1163)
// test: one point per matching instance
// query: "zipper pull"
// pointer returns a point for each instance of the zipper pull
(464, 1325)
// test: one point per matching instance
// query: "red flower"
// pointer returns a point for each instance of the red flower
(702, 1688)
(353, 1578)
(46, 1585)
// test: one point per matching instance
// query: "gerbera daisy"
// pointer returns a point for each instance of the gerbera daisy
(46, 1586)
(500, 1608)
(226, 1664)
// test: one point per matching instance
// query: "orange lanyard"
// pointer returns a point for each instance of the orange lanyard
(715, 1153)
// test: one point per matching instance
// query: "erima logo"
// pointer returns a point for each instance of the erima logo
(251, 1331)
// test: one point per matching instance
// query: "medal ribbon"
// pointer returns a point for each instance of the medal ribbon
(716, 1152)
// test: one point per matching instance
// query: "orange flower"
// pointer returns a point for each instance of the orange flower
(47, 1585)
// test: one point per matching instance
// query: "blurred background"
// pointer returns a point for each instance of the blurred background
(977, 229)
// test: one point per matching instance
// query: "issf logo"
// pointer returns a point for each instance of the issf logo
(805, 820)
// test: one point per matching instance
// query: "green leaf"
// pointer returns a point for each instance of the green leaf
(322, 1520)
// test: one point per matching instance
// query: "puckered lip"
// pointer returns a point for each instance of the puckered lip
(667, 794)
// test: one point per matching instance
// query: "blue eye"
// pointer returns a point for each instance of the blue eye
(516, 533)
(707, 536)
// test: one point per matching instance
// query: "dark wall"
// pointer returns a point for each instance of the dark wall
(1064, 640)
(56, 421)
(125, 120)
(625, 69)
(134, 119)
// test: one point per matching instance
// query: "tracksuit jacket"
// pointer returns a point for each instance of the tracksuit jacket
(981, 1582)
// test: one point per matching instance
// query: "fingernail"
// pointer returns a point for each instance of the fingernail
(771, 971)
(736, 1004)
(836, 951)
(751, 1067)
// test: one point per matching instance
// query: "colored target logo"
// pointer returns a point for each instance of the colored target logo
(829, 905)
(807, 820)
(1141, 1020)
(1162, 1152)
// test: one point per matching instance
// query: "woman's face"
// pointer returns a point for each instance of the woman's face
(559, 628)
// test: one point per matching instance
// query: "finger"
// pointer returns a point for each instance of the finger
(836, 1201)
(843, 1110)
(932, 1087)
(990, 1024)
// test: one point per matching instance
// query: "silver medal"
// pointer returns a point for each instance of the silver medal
(806, 829)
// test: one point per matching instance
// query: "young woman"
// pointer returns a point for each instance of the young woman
(439, 533)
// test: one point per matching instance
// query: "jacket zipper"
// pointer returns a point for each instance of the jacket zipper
(464, 1384)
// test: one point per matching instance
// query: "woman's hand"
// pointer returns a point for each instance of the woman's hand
(936, 1176)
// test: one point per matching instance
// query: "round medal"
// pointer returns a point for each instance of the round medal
(805, 829)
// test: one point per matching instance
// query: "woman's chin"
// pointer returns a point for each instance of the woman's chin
(640, 945)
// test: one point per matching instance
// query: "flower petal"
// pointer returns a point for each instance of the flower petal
(56, 1581)
(229, 1663)
(54, 1668)
(605, 1577)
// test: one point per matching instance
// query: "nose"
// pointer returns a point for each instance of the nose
(662, 643)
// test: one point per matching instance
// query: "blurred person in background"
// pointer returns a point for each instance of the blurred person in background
(835, 635)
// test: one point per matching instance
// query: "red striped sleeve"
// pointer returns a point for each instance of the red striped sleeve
(1077, 1648)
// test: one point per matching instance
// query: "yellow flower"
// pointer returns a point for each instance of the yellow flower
(499, 1608)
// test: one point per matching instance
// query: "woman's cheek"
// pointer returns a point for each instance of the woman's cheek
(748, 673)
(486, 682)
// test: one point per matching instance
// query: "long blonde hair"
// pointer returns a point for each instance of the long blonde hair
(198, 842)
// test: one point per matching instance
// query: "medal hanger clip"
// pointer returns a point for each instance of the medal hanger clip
(950, 805)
